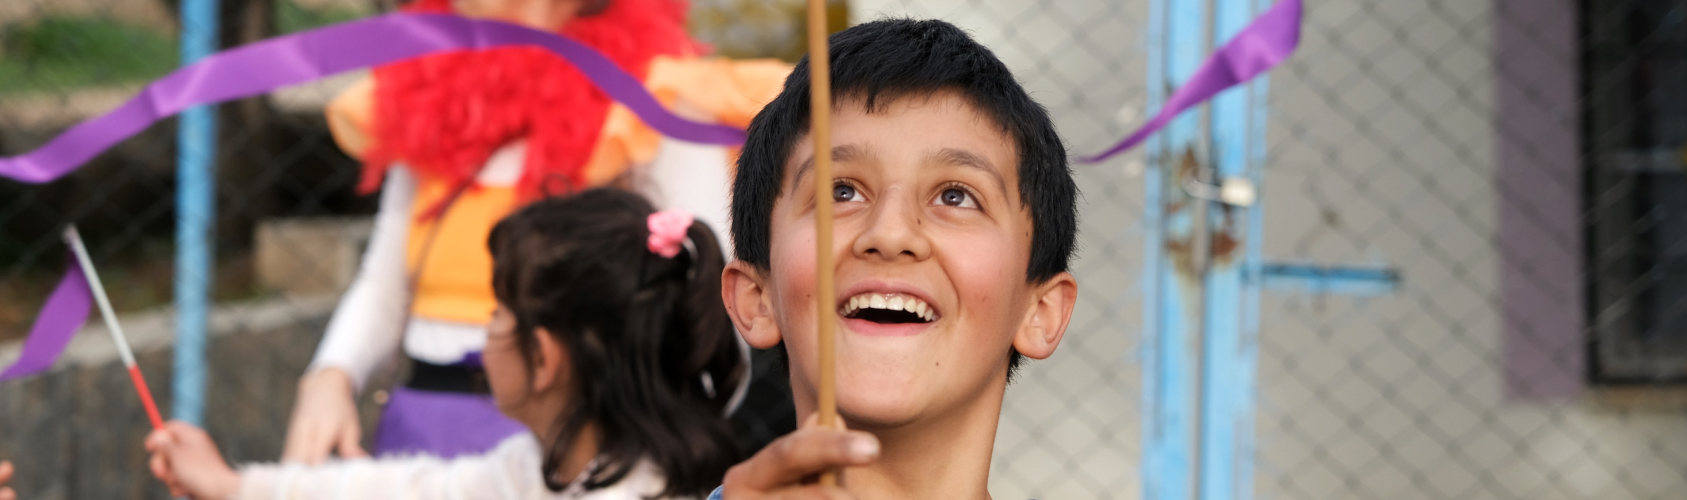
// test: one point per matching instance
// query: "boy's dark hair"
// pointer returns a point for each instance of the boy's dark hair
(880, 62)
(643, 332)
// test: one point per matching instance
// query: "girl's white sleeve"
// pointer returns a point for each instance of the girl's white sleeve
(368, 325)
(509, 471)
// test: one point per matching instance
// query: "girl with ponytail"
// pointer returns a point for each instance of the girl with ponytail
(609, 343)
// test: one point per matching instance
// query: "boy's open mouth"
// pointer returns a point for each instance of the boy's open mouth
(888, 308)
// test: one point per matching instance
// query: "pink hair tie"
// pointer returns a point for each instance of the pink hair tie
(667, 232)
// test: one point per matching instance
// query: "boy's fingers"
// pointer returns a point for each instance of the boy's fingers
(7, 494)
(813, 492)
(813, 421)
(801, 454)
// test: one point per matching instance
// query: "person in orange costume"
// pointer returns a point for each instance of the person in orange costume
(454, 142)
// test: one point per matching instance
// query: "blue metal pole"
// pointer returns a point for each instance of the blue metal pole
(1230, 285)
(1171, 315)
(196, 145)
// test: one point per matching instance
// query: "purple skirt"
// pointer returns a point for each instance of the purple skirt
(442, 424)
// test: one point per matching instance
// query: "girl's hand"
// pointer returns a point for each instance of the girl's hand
(324, 418)
(6, 492)
(187, 461)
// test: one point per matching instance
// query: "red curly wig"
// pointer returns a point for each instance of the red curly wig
(445, 114)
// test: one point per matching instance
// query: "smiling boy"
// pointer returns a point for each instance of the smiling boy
(955, 219)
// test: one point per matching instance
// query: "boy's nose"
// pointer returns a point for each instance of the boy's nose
(894, 231)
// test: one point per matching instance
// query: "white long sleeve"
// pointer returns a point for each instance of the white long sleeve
(510, 471)
(367, 327)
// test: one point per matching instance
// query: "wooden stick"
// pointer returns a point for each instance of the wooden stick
(820, 107)
(74, 239)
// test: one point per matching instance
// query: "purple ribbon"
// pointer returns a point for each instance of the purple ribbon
(66, 309)
(302, 57)
(1262, 45)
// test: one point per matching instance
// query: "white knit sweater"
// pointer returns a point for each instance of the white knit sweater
(509, 471)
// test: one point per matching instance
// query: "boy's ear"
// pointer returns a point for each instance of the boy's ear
(749, 303)
(550, 363)
(1045, 324)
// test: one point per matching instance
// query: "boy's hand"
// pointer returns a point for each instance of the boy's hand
(787, 467)
(6, 492)
(186, 460)
(324, 418)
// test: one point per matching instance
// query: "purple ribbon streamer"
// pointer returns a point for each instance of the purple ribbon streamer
(66, 309)
(302, 57)
(1260, 46)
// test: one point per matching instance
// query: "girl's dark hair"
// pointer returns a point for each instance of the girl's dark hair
(650, 342)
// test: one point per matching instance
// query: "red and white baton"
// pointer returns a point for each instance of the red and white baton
(72, 238)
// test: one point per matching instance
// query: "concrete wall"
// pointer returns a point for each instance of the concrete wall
(75, 432)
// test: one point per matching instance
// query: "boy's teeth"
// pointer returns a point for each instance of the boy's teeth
(892, 302)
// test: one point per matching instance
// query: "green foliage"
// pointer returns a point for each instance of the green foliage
(290, 17)
(59, 53)
(760, 28)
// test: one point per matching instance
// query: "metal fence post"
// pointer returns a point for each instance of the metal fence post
(1230, 354)
(195, 210)
(1171, 297)
(1201, 302)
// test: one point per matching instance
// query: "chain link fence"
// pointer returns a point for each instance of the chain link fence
(289, 233)
(284, 199)
(1516, 163)
(1490, 153)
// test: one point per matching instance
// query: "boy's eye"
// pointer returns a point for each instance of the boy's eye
(956, 197)
(844, 192)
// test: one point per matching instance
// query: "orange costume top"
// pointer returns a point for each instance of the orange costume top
(497, 128)
(455, 281)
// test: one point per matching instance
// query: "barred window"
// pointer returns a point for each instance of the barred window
(1635, 130)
